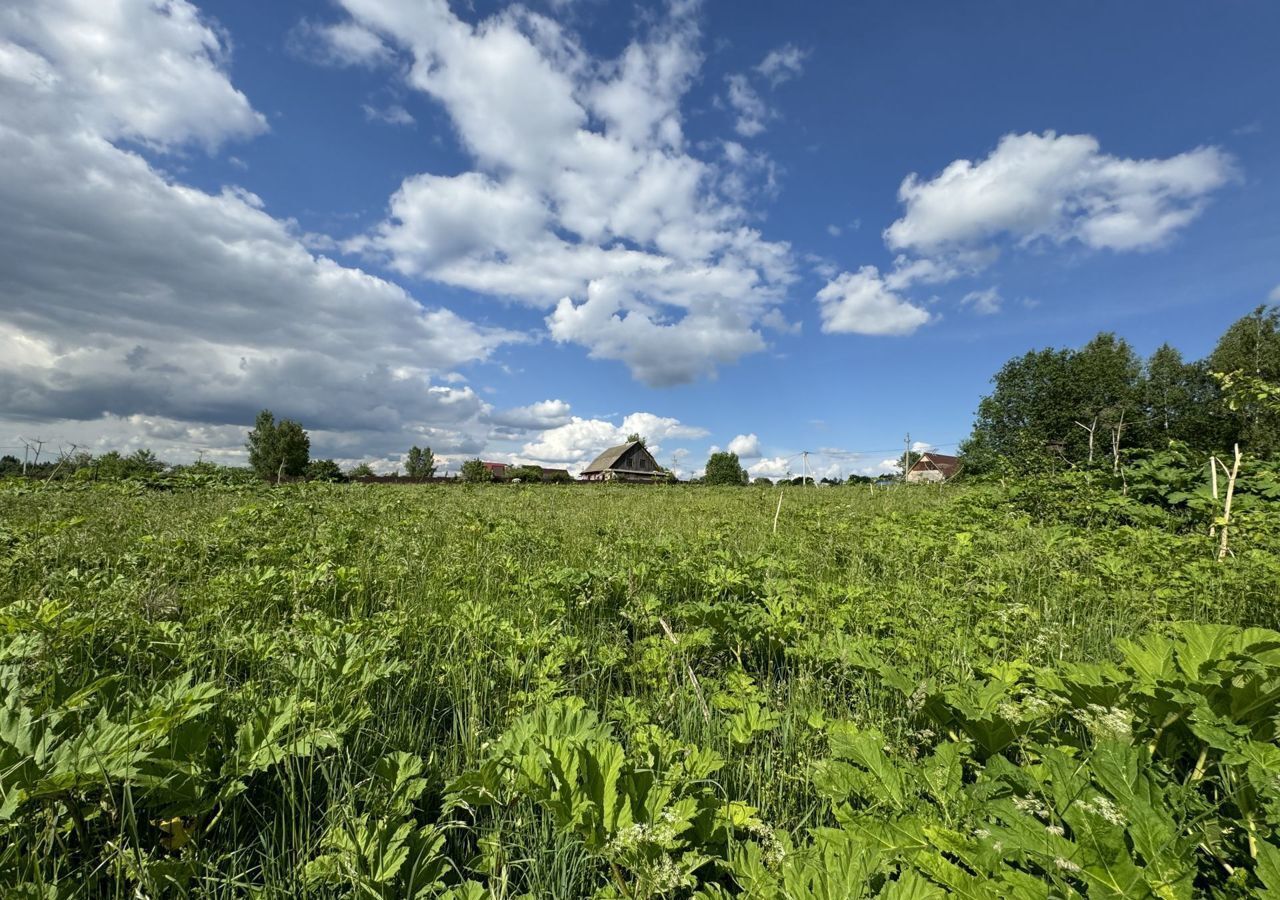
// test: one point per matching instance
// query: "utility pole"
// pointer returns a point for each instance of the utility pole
(906, 457)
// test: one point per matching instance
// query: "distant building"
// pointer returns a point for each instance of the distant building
(933, 467)
(503, 471)
(626, 462)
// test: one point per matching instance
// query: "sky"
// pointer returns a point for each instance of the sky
(522, 232)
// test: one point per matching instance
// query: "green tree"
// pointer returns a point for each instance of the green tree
(908, 459)
(1251, 346)
(637, 436)
(363, 470)
(324, 470)
(474, 472)
(1182, 402)
(1105, 390)
(277, 448)
(526, 474)
(764, 482)
(420, 462)
(1080, 404)
(724, 468)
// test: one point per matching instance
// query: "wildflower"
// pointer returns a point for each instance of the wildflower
(1032, 806)
(1103, 808)
(1055, 830)
(1106, 722)
(1066, 865)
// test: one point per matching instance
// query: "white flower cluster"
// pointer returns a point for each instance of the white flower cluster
(1066, 865)
(1033, 805)
(1107, 722)
(637, 835)
(663, 876)
(1105, 809)
(771, 849)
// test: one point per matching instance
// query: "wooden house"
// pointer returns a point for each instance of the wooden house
(626, 462)
(933, 467)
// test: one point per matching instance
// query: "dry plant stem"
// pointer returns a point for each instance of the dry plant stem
(1226, 505)
(777, 511)
(1213, 482)
(693, 679)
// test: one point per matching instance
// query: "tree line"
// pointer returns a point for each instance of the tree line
(1089, 406)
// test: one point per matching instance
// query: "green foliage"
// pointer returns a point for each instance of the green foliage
(1049, 405)
(475, 472)
(362, 470)
(1051, 688)
(723, 468)
(113, 466)
(526, 474)
(324, 470)
(420, 462)
(277, 448)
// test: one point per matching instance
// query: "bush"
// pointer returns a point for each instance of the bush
(474, 472)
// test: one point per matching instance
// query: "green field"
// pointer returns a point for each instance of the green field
(395, 691)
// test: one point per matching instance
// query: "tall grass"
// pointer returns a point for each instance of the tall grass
(476, 605)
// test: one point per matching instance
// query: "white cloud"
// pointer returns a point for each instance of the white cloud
(583, 197)
(392, 114)
(751, 110)
(1275, 294)
(771, 467)
(1056, 188)
(581, 440)
(861, 303)
(747, 446)
(128, 69)
(985, 302)
(534, 417)
(340, 44)
(834, 230)
(131, 298)
(782, 63)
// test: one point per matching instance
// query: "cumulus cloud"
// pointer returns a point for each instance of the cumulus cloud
(534, 417)
(782, 64)
(861, 303)
(770, 467)
(583, 197)
(1032, 189)
(131, 69)
(130, 297)
(747, 446)
(1056, 188)
(1275, 294)
(580, 440)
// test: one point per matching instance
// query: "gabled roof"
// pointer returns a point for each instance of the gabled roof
(947, 465)
(610, 458)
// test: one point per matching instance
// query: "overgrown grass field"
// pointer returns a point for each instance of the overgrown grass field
(506, 691)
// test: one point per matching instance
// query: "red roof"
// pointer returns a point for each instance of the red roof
(497, 468)
(940, 462)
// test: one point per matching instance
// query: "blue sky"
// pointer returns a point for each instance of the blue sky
(522, 231)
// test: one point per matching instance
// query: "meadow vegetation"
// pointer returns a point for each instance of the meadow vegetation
(1050, 687)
